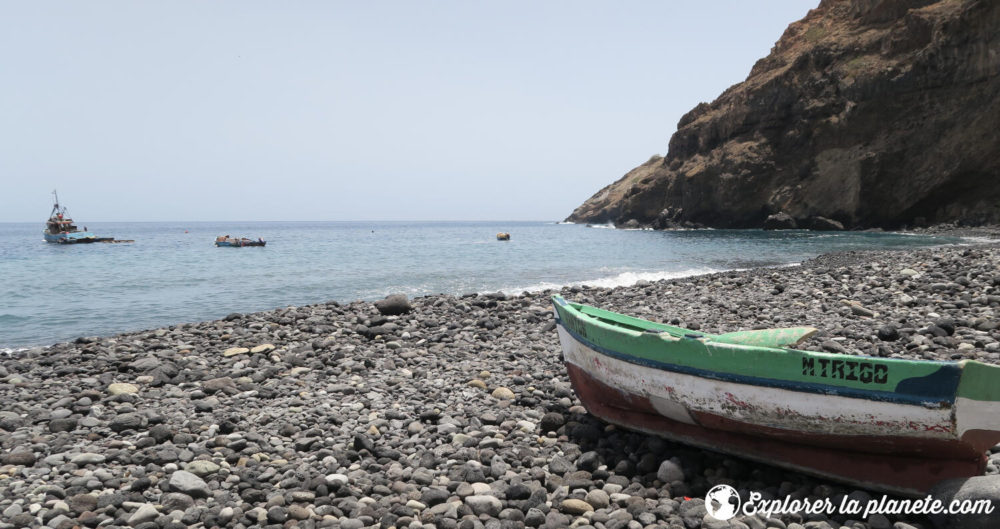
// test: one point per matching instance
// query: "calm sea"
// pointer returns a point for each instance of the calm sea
(173, 272)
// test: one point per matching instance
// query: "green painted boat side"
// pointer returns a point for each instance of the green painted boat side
(933, 383)
(884, 423)
(763, 337)
(767, 337)
(980, 382)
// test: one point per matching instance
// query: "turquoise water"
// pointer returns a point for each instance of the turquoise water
(173, 272)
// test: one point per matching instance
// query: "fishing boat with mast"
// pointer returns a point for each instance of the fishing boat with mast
(60, 228)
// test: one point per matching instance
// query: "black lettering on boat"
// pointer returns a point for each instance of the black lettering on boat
(852, 370)
(808, 366)
(838, 369)
(866, 372)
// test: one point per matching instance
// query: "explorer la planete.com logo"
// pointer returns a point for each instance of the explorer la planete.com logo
(722, 502)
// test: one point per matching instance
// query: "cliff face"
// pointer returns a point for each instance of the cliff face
(871, 112)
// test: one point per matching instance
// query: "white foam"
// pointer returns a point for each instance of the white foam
(608, 226)
(6, 351)
(623, 279)
(565, 222)
(978, 240)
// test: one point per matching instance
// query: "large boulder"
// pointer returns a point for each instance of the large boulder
(393, 305)
(780, 221)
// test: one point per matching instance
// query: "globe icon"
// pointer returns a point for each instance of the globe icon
(722, 502)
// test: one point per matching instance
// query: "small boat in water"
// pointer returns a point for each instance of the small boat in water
(60, 229)
(503, 236)
(233, 242)
(888, 424)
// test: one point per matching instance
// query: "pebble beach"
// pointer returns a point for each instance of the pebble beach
(444, 411)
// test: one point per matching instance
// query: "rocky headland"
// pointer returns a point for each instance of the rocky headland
(866, 113)
(443, 411)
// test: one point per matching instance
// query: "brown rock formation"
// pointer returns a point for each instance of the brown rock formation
(868, 112)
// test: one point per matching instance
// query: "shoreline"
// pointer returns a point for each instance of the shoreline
(456, 414)
(973, 235)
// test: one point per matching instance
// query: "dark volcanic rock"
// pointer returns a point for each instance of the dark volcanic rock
(62, 425)
(867, 112)
(888, 333)
(551, 422)
(393, 305)
(10, 421)
(780, 221)
(19, 457)
(126, 421)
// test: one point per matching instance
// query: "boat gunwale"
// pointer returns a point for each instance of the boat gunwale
(954, 369)
(973, 406)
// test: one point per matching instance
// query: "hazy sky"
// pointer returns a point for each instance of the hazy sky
(364, 110)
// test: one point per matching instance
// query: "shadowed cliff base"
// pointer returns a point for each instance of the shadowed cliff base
(868, 113)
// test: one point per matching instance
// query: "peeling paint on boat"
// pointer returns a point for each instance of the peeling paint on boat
(831, 415)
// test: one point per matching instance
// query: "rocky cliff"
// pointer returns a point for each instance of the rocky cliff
(875, 113)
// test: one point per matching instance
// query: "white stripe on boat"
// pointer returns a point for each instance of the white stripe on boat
(976, 415)
(676, 395)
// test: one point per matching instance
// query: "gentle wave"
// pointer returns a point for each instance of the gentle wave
(623, 279)
(967, 241)
(167, 277)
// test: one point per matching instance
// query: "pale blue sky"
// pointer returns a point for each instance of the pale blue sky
(445, 110)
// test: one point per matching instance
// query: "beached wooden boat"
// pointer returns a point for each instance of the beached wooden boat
(887, 424)
(232, 242)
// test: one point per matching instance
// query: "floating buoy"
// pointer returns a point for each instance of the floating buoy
(503, 236)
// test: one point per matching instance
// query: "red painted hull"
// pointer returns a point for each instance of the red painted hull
(903, 465)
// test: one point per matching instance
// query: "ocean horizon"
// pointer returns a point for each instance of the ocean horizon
(174, 274)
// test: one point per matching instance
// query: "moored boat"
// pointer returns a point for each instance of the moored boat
(887, 424)
(237, 242)
(60, 228)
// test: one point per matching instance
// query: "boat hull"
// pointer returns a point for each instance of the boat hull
(237, 244)
(79, 237)
(897, 442)
(906, 475)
